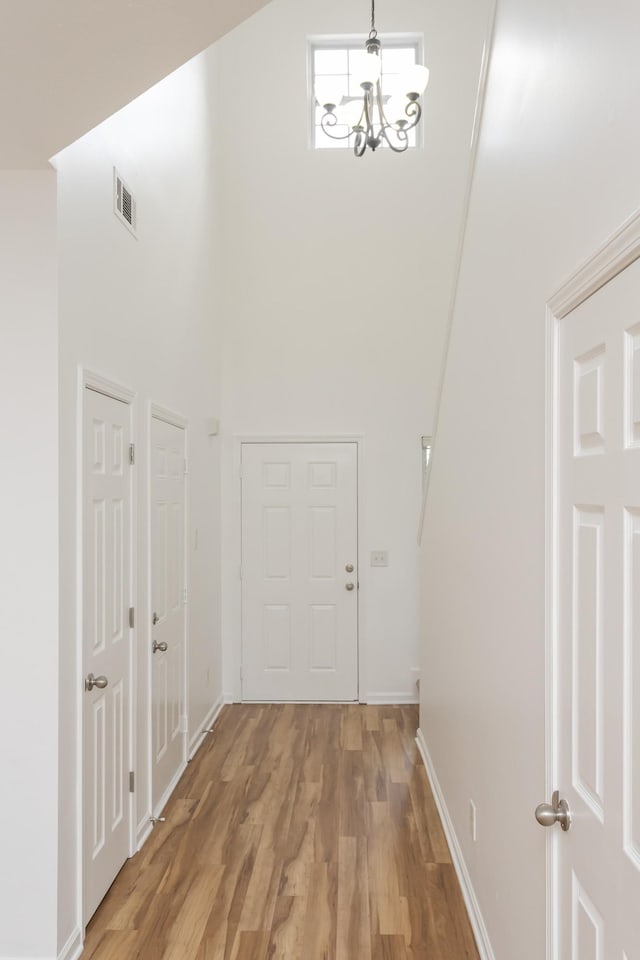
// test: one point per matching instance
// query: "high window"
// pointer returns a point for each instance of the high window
(330, 62)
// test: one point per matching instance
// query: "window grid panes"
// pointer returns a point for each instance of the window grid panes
(334, 63)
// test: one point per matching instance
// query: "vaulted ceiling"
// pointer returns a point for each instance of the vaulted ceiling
(66, 65)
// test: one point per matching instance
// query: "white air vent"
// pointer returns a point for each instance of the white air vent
(124, 203)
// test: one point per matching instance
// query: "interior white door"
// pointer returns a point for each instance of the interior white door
(106, 642)
(598, 722)
(168, 448)
(299, 571)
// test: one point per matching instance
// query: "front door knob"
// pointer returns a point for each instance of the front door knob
(162, 646)
(99, 682)
(349, 586)
(349, 568)
(555, 812)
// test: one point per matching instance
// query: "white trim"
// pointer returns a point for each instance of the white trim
(473, 151)
(73, 947)
(196, 740)
(90, 380)
(143, 831)
(173, 783)
(615, 254)
(620, 250)
(551, 616)
(471, 901)
(391, 698)
(168, 416)
(95, 381)
(235, 648)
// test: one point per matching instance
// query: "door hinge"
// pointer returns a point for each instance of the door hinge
(132, 453)
(132, 616)
(132, 781)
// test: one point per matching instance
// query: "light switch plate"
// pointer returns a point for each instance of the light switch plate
(379, 558)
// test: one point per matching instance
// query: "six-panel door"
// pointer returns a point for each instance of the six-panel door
(599, 623)
(167, 591)
(299, 571)
(106, 579)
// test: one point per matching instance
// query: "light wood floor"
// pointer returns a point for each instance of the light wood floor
(297, 833)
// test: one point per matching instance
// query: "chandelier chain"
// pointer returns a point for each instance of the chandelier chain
(373, 32)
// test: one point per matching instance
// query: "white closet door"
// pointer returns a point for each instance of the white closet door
(168, 627)
(106, 633)
(599, 623)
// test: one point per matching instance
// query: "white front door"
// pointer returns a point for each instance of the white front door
(106, 646)
(168, 601)
(299, 571)
(598, 638)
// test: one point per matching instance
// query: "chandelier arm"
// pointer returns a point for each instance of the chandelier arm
(400, 134)
(368, 114)
(414, 111)
(360, 144)
(329, 120)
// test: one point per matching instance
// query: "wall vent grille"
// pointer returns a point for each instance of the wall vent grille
(124, 204)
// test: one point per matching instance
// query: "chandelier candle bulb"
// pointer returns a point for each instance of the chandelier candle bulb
(375, 117)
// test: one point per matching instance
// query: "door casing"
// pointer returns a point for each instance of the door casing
(235, 648)
(618, 252)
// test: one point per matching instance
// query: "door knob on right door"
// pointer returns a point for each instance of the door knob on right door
(555, 812)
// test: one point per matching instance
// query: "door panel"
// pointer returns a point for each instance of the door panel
(599, 626)
(106, 575)
(168, 448)
(299, 532)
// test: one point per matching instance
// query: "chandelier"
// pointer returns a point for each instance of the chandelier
(373, 117)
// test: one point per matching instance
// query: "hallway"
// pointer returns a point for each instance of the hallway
(298, 831)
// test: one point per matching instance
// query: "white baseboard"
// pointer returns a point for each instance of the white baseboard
(471, 902)
(391, 698)
(143, 831)
(145, 827)
(229, 697)
(164, 799)
(207, 723)
(73, 947)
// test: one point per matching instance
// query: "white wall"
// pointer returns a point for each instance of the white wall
(141, 312)
(338, 274)
(28, 564)
(557, 172)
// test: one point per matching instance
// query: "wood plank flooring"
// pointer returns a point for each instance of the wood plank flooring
(299, 832)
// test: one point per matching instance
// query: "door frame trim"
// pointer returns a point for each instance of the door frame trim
(158, 412)
(90, 380)
(618, 252)
(235, 647)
